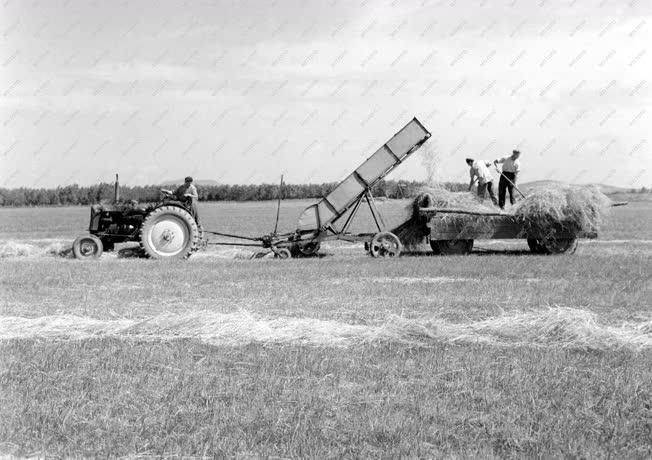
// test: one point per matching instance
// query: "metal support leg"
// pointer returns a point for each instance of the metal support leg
(349, 219)
(374, 212)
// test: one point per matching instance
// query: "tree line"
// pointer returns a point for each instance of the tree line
(71, 195)
(103, 193)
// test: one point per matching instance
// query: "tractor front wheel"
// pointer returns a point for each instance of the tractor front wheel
(87, 247)
(169, 232)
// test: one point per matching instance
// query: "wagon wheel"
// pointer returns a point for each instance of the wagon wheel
(87, 247)
(455, 247)
(434, 244)
(169, 232)
(560, 245)
(536, 246)
(305, 250)
(281, 253)
(385, 244)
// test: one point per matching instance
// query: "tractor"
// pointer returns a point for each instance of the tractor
(165, 229)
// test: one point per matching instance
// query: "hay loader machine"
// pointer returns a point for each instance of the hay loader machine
(331, 217)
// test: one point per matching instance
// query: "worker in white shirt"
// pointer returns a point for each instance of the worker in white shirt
(188, 193)
(511, 168)
(479, 170)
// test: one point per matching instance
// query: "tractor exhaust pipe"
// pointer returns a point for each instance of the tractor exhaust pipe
(116, 190)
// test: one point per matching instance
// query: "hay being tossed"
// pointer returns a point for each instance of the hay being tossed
(545, 212)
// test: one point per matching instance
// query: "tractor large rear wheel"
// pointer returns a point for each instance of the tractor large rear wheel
(169, 232)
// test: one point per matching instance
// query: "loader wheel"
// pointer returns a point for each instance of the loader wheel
(385, 244)
(455, 247)
(281, 253)
(87, 247)
(169, 232)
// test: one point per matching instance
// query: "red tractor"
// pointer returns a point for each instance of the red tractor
(165, 229)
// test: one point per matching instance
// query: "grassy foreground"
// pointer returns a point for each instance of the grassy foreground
(118, 396)
(115, 398)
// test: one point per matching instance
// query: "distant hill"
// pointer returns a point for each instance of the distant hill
(606, 189)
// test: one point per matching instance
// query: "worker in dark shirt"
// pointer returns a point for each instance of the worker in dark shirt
(511, 168)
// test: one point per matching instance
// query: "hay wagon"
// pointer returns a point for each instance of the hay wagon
(451, 231)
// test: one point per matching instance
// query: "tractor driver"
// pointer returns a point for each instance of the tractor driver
(188, 193)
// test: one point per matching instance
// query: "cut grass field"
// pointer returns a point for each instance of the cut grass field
(496, 354)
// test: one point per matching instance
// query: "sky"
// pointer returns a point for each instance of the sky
(242, 91)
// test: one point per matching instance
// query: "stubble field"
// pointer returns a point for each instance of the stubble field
(497, 354)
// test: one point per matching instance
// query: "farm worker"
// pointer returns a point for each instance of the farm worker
(479, 170)
(511, 168)
(188, 192)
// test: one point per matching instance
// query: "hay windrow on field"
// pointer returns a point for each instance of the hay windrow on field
(554, 327)
(63, 249)
(32, 248)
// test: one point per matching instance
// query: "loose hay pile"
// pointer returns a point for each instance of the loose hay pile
(546, 212)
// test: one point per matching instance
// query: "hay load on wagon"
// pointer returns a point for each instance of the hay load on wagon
(549, 210)
(551, 218)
